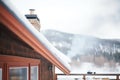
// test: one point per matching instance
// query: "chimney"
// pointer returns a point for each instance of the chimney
(32, 11)
(33, 19)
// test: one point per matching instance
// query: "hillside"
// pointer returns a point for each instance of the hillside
(86, 49)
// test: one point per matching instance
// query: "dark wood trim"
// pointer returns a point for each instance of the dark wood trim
(1, 65)
(117, 77)
(53, 70)
(5, 70)
(39, 72)
(55, 78)
(14, 59)
(29, 72)
(17, 64)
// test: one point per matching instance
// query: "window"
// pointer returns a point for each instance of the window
(0, 73)
(34, 72)
(18, 73)
(19, 68)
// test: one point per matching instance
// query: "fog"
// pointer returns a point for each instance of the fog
(94, 55)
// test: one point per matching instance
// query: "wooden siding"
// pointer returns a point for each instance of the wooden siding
(46, 71)
(10, 44)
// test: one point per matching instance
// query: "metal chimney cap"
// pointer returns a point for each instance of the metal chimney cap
(32, 9)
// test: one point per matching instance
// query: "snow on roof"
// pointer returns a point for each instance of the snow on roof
(60, 56)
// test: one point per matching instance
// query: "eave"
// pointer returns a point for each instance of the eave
(12, 23)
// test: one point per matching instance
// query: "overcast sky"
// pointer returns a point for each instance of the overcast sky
(100, 18)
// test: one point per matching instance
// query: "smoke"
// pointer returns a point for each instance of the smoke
(81, 44)
(88, 54)
(77, 47)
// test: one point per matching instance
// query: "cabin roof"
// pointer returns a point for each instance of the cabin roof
(18, 24)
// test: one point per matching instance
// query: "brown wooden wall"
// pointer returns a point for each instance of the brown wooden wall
(46, 71)
(10, 44)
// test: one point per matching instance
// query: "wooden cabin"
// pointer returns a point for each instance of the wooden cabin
(25, 54)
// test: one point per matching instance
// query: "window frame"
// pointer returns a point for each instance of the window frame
(37, 72)
(18, 67)
(7, 62)
(1, 66)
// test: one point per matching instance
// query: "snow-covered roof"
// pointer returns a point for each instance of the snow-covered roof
(21, 18)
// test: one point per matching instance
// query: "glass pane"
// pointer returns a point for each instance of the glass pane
(18, 73)
(0, 73)
(34, 72)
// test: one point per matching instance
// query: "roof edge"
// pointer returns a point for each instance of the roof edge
(28, 37)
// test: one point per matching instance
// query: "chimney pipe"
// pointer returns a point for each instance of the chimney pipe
(32, 11)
